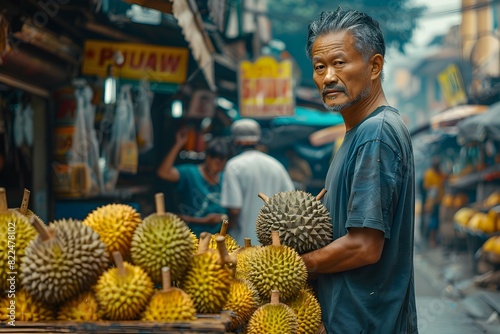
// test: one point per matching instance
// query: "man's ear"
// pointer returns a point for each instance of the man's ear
(377, 62)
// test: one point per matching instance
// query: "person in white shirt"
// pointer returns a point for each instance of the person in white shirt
(247, 174)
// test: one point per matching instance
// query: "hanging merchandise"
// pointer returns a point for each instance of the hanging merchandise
(83, 157)
(23, 124)
(122, 149)
(144, 123)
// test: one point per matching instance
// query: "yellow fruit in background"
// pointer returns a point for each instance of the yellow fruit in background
(489, 244)
(463, 215)
(460, 200)
(488, 223)
(493, 199)
(448, 200)
(476, 221)
(496, 246)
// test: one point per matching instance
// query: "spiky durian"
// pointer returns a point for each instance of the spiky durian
(242, 302)
(16, 232)
(169, 304)
(275, 317)
(65, 259)
(231, 244)
(162, 240)
(302, 221)
(123, 292)
(23, 307)
(207, 280)
(277, 267)
(308, 311)
(116, 224)
(243, 259)
(80, 308)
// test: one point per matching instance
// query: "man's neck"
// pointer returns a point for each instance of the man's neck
(355, 114)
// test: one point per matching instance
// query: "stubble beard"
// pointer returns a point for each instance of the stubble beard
(338, 108)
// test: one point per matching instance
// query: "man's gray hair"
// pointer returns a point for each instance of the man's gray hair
(368, 37)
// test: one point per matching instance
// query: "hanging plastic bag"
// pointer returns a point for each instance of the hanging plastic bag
(83, 157)
(144, 123)
(123, 151)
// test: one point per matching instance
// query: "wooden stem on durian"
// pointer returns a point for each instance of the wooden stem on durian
(321, 194)
(204, 242)
(3, 200)
(275, 297)
(224, 257)
(275, 238)
(23, 209)
(160, 203)
(248, 242)
(263, 197)
(223, 228)
(166, 279)
(117, 257)
(40, 227)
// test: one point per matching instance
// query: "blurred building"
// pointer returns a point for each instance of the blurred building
(460, 68)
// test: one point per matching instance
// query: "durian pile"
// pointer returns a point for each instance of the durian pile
(116, 266)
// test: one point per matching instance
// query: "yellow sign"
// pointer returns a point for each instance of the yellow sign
(141, 61)
(266, 88)
(452, 87)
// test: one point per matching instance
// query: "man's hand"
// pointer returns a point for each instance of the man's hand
(181, 137)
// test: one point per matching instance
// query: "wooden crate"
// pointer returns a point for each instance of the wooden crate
(208, 324)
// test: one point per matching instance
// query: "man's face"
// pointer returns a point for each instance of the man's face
(341, 74)
(215, 165)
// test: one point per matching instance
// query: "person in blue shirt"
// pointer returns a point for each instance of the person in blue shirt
(365, 277)
(198, 185)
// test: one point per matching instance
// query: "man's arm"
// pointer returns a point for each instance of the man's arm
(211, 218)
(358, 248)
(167, 171)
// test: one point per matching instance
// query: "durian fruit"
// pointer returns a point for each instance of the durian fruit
(194, 238)
(243, 259)
(207, 280)
(81, 308)
(65, 260)
(301, 219)
(308, 311)
(162, 240)
(116, 224)
(123, 292)
(277, 267)
(169, 304)
(231, 244)
(242, 302)
(273, 318)
(25, 308)
(16, 233)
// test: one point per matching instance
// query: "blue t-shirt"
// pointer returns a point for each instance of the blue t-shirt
(198, 198)
(370, 184)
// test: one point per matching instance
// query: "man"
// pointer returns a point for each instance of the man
(365, 276)
(433, 183)
(198, 185)
(247, 174)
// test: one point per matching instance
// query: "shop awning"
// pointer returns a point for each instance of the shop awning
(188, 17)
(452, 116)
(480, 127)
